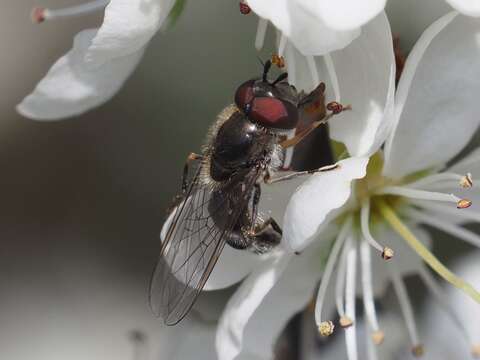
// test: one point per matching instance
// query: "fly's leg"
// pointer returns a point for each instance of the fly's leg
(269, 180)
(191, 157)
(266, 236)
(255, 201)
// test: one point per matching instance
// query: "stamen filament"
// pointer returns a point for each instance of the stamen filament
(312, 66)
(435, 179)
(350, 332)
(405, 305)
(445, 226)
(440, 297)
(289, 151)
(329, 267)
(470, 215)
(340, 280)
(371, 349)
(282, 44)
(395, 222)
(419, 194)
(291, 64)
(333, 76)
(368, 302)
(364, 220)
(261, 31)
(82, 9)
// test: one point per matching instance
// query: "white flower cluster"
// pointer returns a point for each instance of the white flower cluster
(403, 167)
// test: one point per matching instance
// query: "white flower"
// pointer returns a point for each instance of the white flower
(277, 285)
(101, 59)
(434, 118)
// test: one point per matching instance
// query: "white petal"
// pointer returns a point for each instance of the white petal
(127, 27)
(466, 7)
(435, 110)
(344, 14)
(368, 86)
(320, 195)
(244, 303)
(71, 88)
(309, 34)
(469, 164)
(262, 306)
(275, 197)
(407, 262)
(232, 266)
(366, 76)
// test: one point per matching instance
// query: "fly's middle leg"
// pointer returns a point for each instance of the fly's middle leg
(271, 180)
(268, 235)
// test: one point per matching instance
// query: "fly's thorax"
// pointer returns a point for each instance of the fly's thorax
(237, 146)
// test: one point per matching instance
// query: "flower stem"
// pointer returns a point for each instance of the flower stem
(397, 224)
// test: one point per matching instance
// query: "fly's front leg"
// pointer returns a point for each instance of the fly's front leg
(191, 157)
(269, 180)
(255, 201)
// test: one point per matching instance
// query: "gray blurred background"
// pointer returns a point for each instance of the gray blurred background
(82, 200)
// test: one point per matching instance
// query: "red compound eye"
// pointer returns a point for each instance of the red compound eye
(244, 95)
(273, 113)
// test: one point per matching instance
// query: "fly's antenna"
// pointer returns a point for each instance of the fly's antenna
(266, 69)
(282, 77)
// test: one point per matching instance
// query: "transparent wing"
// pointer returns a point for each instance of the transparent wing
(193, 238)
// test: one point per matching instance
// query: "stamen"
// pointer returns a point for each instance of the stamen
(437, 178)
(287, 161)
(419, 194)
(350, 332)
(329, 267)
(405, 306)
(39, 15)
(139, 343)
(447, 227)
(282, 44)
(340, 280)
(395, 222)
(470, 215)
(326, 328)
(467, 181)
(371, 349)
(364, 220)
(278, 60)
(244, 8)
(440, 297)
(418, 350)
(261, 31)
(476, 351)
(333, 76)
(464, 204)
(345, 322)
(291, 64)
(312, 66)
(368, 302)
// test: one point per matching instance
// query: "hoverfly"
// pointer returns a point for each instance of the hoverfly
(219, 203)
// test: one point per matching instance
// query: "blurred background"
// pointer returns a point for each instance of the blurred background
(82, 200)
